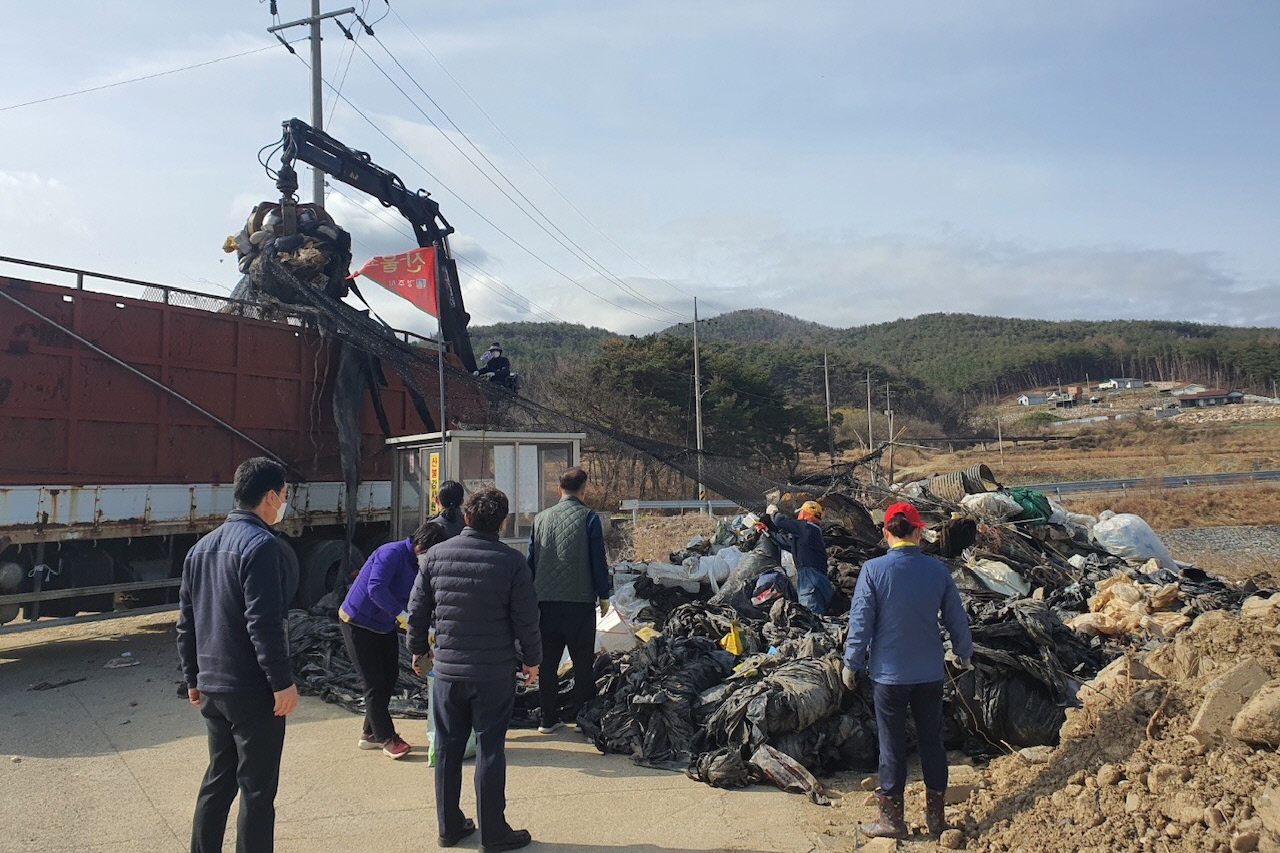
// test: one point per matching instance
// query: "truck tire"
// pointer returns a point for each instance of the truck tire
(321, 569)
(291, 569)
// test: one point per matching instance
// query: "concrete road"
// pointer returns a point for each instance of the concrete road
(111, 764)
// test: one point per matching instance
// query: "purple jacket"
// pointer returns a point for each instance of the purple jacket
(380, 592)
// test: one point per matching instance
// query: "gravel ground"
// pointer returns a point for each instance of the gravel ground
(1243, 541)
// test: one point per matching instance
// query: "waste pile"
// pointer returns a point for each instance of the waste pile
(694, 675)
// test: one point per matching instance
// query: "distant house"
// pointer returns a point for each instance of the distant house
(1214, 397)
(1075, 390)
(1063, 401)
(1123, 384)
(1030, 399)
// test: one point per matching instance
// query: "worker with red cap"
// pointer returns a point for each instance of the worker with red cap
(893, 634)
(804, 541)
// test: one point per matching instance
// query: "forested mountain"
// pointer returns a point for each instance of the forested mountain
(953, 359)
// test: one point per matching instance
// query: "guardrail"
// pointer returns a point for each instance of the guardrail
(634, 506)
(1124, 484)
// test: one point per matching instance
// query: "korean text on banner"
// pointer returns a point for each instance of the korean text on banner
(411, 276)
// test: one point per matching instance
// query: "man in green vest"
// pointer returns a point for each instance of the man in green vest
(571, 575)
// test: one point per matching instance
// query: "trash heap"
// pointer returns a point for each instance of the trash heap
(726, 691)
(694, 676)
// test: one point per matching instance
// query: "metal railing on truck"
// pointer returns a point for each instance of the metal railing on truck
(169, 295)
(634, 506)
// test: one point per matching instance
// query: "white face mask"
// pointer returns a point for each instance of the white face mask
(284, 507)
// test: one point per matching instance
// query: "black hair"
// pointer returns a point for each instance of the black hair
(573, 480)
(254, 478)
(450, 497)
(431, 533)
(486, 510)
(899, 526)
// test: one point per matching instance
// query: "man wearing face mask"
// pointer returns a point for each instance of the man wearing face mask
(234, 649)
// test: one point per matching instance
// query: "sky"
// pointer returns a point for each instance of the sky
(846, 162)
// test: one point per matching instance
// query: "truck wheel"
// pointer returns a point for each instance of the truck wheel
(291, 570)
(321, 569)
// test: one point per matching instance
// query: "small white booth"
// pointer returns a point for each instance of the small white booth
(524, 465)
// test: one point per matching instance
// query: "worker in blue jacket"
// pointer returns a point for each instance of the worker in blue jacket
(804, 541)
(367, 617)
(893, 633)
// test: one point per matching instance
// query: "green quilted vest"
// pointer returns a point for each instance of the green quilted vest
(563, 571)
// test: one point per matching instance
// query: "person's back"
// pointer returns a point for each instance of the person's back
(893, 622)
(571, 574)
(449, 502)
(910, 589)
(478, 585)
(479, 594)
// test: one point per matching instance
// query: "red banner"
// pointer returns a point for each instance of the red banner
(411, 276)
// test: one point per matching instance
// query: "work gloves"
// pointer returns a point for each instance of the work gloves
(771, 509)
(604, 607)
(848, 678)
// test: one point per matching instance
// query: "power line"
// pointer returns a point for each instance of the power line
(518, 206)
(136, 79)
(530, 162)
(576, 249)
(470, 207)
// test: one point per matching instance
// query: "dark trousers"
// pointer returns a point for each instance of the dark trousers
(564, 624)
(376, 658)
(925, 703)
(458, 708)
(245, 742)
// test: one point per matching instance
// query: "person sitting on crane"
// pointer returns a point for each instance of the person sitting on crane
(810, 551)
(495, 366)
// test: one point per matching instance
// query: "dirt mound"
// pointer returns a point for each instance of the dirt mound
(1143, 765)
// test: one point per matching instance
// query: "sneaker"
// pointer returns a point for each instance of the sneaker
(551, 729)
(367, 742)
(396, 748)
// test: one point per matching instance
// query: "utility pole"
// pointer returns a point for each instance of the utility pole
(317, 82)
(868, 410)
(697, 399)
(888, 410)
(826, 380)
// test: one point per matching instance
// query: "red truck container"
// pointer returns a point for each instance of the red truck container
(122, 421)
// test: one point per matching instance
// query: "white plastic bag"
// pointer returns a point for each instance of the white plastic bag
(998, 577)
(1129, 537)
(994, 506)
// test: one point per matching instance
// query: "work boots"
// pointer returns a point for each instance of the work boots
(935, 818)
(890, 823)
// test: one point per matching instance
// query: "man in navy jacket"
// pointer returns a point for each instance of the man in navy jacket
(893, 633)
(234, 649)
(479, 592)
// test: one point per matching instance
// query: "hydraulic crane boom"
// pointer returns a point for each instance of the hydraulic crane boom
(356, 169)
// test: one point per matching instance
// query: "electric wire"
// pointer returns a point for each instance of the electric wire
(528, 161)
(472, 208)
(608, 276)
(573, 246)
(139, 79)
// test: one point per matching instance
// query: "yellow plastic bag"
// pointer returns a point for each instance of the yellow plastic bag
(732, 641)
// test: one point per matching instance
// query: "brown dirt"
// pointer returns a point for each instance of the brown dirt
(1133, 779)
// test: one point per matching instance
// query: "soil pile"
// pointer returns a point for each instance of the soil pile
(1153, 759)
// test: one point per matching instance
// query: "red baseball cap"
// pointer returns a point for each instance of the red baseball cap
(906, 510)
